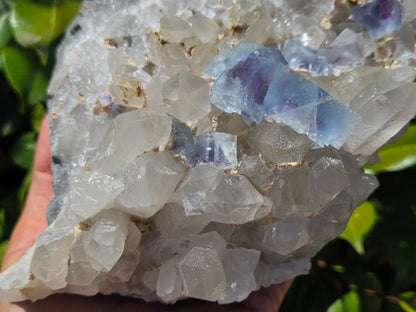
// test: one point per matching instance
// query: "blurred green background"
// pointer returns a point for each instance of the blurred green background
(372, 267)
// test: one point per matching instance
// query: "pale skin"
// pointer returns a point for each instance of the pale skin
(33, 221)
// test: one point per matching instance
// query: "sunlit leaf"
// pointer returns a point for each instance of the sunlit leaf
(23, 150)
(3, 225)
(337, 306)
(3, 248)
(349, 303)
(409, 297)
(406, 307)
(36, 117)
(338, 268)
(362, 221)
(5, 30)
(398, 156)
(25, 75)
(38, 23)
(19, 66)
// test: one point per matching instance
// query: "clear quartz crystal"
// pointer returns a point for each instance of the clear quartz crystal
(203, 274)
(149, 183)
(192, 158)
(186, 97)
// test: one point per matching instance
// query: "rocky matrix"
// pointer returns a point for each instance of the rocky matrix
(207, 148)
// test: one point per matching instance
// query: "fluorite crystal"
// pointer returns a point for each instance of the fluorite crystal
(192, 158)
(261, 85)
(380, 17)
(348, 51)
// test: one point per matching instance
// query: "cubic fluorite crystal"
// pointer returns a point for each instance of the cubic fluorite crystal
(192, 158)
(380, 17)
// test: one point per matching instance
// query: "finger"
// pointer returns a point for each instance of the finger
(100, 303)
(33, 219)
(268, 299)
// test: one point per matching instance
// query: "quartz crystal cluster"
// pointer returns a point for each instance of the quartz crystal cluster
(208, 148)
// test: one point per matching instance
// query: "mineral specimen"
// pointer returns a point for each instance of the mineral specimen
(192, 158)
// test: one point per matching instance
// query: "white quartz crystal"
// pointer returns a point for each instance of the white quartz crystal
(160, 193)
(149, 182)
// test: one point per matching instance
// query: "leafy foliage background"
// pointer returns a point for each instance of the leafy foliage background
(371, 268)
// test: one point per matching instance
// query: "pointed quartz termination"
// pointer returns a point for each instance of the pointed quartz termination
(149, 183)
(348, 51)
(226, 198)
(262, 85)
(239, 263)
(278, 143)
(380, 17)
(185, 96)
(203, 273)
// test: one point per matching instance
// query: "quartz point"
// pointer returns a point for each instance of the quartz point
(185, 97)
(193, 159)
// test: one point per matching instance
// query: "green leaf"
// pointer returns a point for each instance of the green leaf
(406, 307)
(11, 125)
(9, 3)
(38, 23)
(23, 150)
(37, 91)
(5, 30)
(36, 117)
(43, 53)
(19, 66)
(361, 222)
(3, 225)
(409, 297)
(337, 306)
(349, 303)
(25, 74)
(398, 156)
(24, 188)
(3, 248)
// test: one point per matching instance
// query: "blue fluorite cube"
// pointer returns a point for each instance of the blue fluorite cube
(262, 86)
(209, 147)
(216, 148)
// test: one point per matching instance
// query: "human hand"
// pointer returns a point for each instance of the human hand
(33, 221)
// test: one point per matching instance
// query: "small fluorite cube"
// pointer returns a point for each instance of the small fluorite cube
(380, 17)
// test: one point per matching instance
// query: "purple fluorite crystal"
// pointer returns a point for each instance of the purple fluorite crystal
(108, 103)
(209, 147)
(380, 17)
(347, 52)
(262, 86)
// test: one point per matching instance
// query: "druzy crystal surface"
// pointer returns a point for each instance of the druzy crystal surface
(208, 148)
